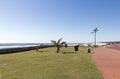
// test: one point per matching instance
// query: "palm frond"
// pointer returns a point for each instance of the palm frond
(63, 43)
(59, 41)
(54, 42)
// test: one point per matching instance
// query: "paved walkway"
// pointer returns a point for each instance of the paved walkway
(108, 62)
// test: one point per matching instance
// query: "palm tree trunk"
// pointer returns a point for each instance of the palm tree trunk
(58, 49)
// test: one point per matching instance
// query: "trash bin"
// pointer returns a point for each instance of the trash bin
(89, 50)
(76, 48)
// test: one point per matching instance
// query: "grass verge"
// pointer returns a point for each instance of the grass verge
(47, 64)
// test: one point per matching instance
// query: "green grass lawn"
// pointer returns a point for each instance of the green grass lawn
(47, 64)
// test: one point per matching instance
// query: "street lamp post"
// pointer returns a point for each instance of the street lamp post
(94, 31)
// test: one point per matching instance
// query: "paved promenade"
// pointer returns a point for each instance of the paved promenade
(108, 62)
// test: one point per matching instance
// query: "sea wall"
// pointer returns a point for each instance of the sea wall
(21, 49)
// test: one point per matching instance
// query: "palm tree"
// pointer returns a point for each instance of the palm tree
(95, 31)
(58, 44)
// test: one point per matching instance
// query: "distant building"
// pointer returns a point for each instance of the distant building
(112, 42)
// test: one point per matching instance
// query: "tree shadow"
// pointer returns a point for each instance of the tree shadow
(41, 51)
(68, 52)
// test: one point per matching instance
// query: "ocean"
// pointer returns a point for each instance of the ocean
(19, 45)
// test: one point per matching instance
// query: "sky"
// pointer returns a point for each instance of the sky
(39, 21)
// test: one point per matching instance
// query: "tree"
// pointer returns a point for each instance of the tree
(95, 31)
(58, 44)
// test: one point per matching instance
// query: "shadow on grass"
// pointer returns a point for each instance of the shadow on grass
(41, 51)
(68, 52)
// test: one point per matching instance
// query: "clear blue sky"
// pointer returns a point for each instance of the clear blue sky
(45, 20)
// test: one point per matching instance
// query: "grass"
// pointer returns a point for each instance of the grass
(47, 64)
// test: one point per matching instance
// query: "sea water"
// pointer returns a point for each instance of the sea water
(19, 45)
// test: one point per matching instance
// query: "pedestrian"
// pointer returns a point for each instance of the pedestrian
(66, 45)
(37, 48)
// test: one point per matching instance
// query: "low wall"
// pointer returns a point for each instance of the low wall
(21, 49)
